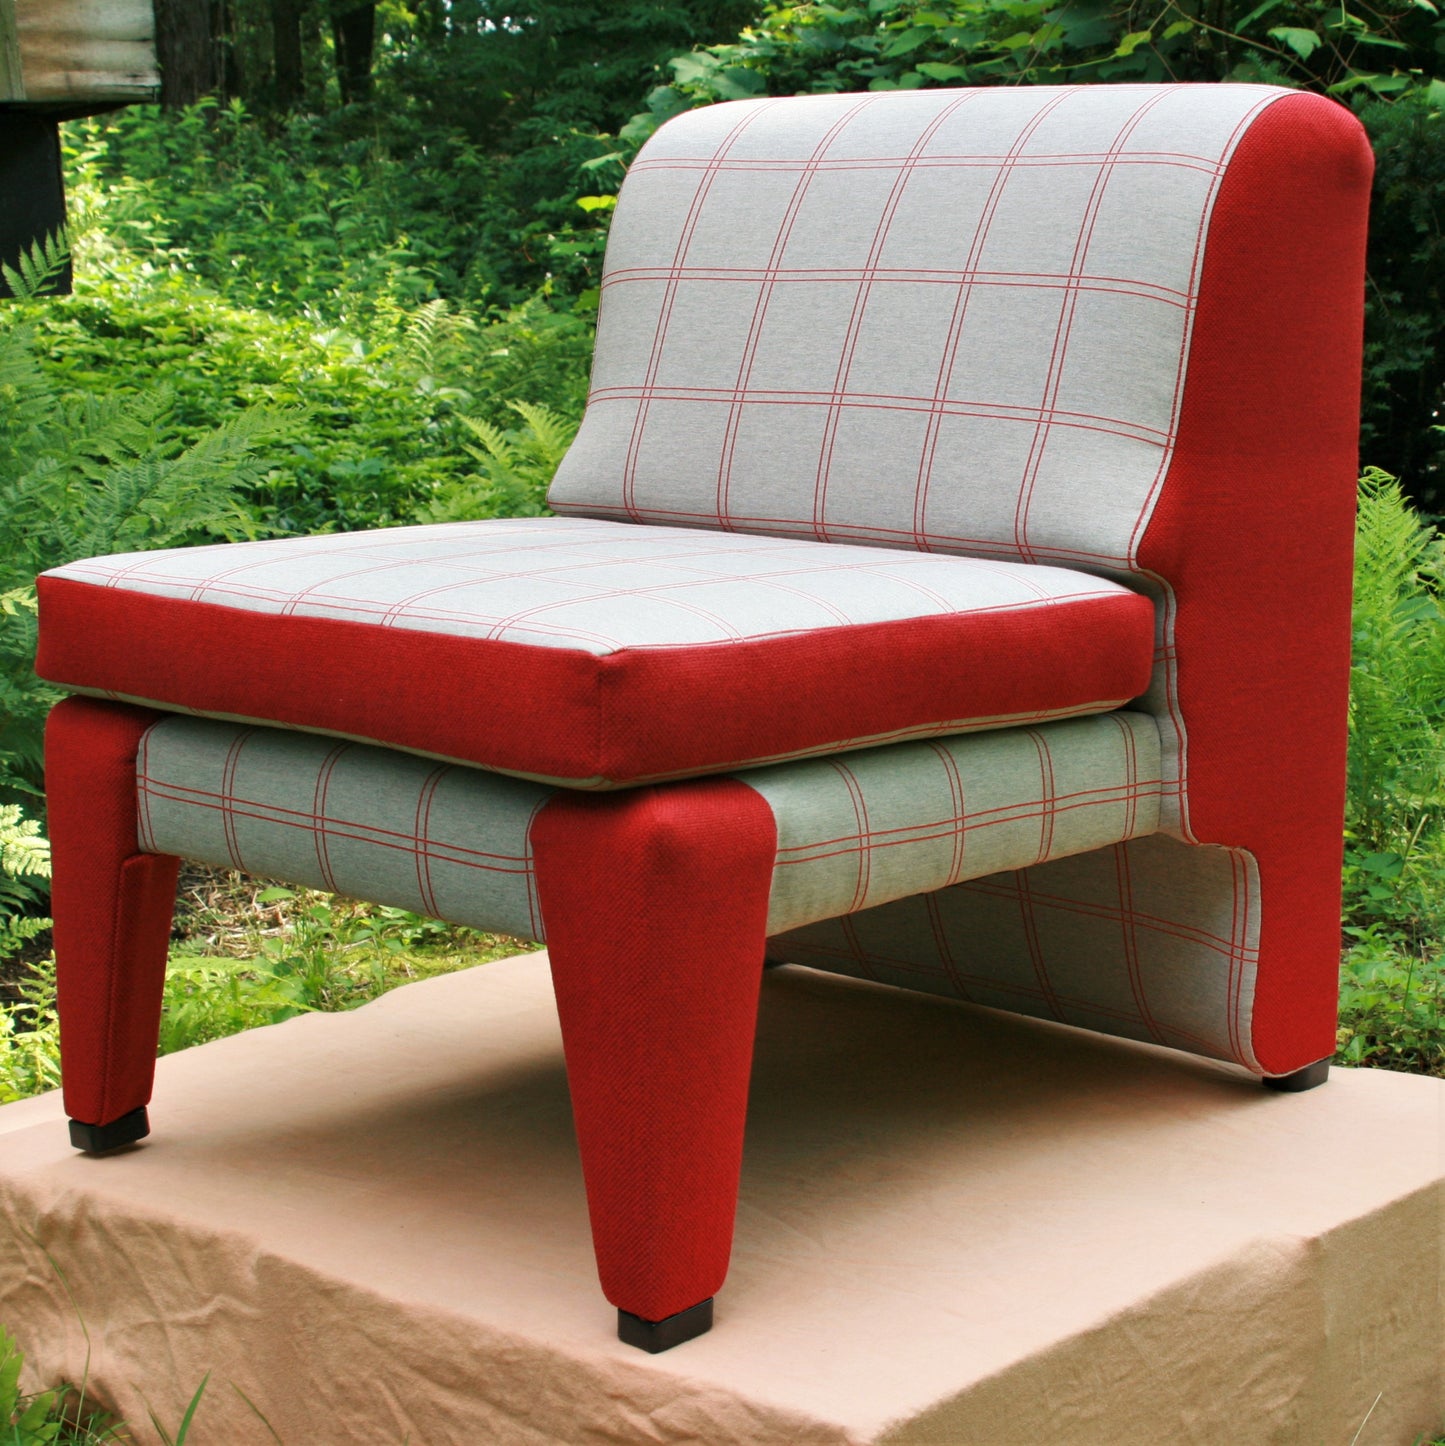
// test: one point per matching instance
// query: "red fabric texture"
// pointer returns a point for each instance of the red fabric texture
(655, 903)
(636, 714)
(1254, 531)
(112, 906)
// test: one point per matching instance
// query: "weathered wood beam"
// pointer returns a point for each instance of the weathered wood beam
(69, 51)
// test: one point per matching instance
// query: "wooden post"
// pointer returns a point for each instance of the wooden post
(32, 193)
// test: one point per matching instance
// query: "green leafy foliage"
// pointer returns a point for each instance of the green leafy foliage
(25, 1420)
(24, 864)
(1397, 697)
(259, 955)
(515, 467)
(1394, 876)
(1404, 396)
(911, 44)
(1392, 1005)
(301, 217)
(30, 1037)
(382, 373)
(24, 700)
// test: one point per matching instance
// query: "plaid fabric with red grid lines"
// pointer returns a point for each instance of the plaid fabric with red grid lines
(585, 585)
(1152, 939)
(856, 830)
(453, 842)
(947, 320)
(442, 840)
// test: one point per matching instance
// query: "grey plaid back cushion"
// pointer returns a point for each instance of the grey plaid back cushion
(948, 320)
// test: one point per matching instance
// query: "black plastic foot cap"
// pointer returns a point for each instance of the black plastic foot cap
(97, 1139)
(1302, 1079)
(653, 1336)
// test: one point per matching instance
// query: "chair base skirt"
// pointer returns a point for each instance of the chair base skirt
(98, 1139)
(654, 1336)
(1308, 1078)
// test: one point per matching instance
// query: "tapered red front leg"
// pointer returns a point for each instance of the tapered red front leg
(112, 906)
(655, 907)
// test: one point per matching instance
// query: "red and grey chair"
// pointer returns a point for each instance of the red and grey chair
(950, 587)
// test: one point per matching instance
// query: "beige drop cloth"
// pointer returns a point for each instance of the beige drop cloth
(956, 1227)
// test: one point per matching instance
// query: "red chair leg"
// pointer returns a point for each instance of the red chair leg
(112, 906)
(654, 903)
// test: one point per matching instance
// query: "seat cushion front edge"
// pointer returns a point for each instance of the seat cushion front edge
(588, 720)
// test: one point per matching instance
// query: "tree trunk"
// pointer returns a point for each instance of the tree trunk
(230, 81)
(353, 27)
(313, 55)
(286, 53)
(186, 50)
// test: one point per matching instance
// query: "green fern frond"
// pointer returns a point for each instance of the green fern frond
(119, 479)
(18, 929)
(1397, 681)
(22, 383)
(27, 400)
(426, 328)
(37, 267)
(551, 433)
(18, 600)
(24, 854)
(235, 446)
(24, 700)
(515, 467)
(495, 446)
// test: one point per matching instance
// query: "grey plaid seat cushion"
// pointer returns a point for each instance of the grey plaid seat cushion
(595, 653)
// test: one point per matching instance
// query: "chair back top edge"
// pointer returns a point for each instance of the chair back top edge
(953, 320)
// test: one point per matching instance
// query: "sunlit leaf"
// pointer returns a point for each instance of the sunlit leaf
(1132, 41)
(1304, 43)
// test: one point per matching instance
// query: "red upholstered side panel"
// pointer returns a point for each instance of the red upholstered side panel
(112, 907)
(1254, 532)
(635, 714)
(655, 905)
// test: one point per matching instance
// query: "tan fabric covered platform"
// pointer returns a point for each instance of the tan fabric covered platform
(956, 1227)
